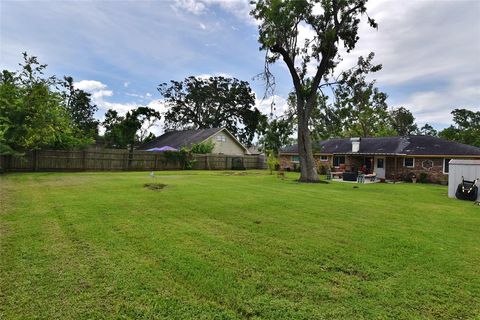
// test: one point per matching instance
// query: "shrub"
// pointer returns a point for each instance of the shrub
(183, 157)
(322, 169)
(423, 177)
(272, 162)
(202, 147)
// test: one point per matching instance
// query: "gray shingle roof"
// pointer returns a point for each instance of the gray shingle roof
(179, 139)
(411, 145)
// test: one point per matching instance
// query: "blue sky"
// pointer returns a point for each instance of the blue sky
(121, 50)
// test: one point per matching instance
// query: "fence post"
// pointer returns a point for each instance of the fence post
(84, 160)
(35, 160)
(125, 161)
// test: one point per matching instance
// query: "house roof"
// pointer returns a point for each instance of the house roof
(185, 138)
(409, 145)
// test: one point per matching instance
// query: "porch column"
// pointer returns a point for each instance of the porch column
(395, 170)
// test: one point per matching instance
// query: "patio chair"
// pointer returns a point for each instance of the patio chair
(329, 175)
(361, 178)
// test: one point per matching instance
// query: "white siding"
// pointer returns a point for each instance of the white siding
(224, 144)
(469, 169)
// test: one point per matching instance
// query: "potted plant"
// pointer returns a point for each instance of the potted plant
(414, 178)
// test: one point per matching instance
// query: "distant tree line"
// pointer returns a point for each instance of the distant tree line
(42, 112)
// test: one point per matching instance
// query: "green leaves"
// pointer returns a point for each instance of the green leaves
(123, 132)
(202, 147)
(466, 129)
(32, 111)
(362, 106)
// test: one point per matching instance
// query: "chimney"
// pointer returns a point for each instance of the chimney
(355, 144)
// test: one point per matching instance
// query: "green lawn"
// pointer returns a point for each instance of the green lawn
(217, 245)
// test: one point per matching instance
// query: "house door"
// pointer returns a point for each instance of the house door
(380, 167)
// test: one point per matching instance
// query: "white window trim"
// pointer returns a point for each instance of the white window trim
(323, 158)
(412, 166)
(443, 166)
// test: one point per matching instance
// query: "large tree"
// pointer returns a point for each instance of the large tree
(335, 22)
(199, 103)
(402, 121)
(32, 111)
(131, 129)
(466, 128)
(428, 130)
(276, 135)
(361, 105)
(81, 109)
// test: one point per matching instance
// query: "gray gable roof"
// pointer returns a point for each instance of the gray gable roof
(179, 139)
(410, 145)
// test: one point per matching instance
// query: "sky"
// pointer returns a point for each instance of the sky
(120, 51)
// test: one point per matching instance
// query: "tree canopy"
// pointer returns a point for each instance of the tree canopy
(466, 128)
(198, 103)
(360, 104)
(403, 121)
(131, 129)
(81, 109)
(276, 135)
(33, 113)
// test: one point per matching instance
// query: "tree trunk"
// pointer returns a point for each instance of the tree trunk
(308, 168)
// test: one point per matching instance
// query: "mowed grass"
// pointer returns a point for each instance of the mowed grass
(222, 245)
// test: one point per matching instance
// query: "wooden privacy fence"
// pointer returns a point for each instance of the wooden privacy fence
(117, 160)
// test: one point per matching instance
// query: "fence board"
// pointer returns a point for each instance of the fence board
(118, 160)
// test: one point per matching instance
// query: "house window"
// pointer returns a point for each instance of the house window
(295, 159)
(409, 162)
(446, 165)
(338, 160)
(323, 158)
(380, 163)
(221, 138)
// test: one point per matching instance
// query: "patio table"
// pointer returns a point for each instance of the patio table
(338, 174)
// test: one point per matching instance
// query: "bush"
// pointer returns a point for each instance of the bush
(423, 178)
(202, 147)
(183, 156)
(272, 162)
(322, 169)
(409, 177)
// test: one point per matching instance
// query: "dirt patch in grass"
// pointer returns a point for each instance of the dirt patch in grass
(154, 186)
(239, 173)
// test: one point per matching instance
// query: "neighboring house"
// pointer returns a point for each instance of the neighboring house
(225, 142)
(253, 150)
(388, 157)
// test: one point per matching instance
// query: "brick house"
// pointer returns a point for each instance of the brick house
(388, 157)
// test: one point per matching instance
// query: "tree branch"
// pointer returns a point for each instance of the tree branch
(291, 67)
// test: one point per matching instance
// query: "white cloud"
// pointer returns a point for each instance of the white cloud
(206, 76)
(100, 94)
(126, 84)
(238, 8)
(192, 6)
(203, 26)
(90, 85)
